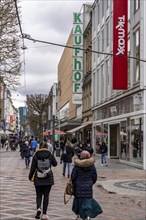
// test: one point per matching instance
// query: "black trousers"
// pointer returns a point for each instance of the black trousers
(42, 192)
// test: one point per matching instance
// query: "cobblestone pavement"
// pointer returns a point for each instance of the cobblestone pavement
(17, 195)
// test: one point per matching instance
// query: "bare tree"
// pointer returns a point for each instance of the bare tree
(37, 113)
(9, 43)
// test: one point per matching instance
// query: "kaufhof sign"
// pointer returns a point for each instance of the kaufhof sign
(77, 58)
(120, 38)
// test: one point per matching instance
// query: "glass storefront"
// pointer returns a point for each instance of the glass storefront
(101, 134)
(136, 145)
(124, 145)
(126, 139)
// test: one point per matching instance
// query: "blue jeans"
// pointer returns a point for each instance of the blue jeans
(27, 161)
(64, 168)
(103, 158)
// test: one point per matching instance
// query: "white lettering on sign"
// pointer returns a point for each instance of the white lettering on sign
(121, 36)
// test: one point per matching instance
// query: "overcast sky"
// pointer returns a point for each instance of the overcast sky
(49, 21)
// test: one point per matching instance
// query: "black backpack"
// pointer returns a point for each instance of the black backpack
(43, 168)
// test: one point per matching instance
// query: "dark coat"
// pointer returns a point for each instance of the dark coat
(67, 157)
(79, 150)
(26, 151)
(103, 148)
(42, 154)
(89, 149)
(84, 175)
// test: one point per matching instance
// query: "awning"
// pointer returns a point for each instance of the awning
(80, 127)
(50, 132)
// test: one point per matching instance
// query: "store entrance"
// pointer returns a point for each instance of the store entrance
(114, 140)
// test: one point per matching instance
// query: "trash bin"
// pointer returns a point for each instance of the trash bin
(135, 153)
(57, 152)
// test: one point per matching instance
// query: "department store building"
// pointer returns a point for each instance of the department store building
(119, 116)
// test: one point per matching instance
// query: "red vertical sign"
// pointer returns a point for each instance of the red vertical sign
(11, 119)
(120, 38)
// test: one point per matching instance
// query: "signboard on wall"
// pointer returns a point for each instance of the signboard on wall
(120, 38)
(77, 58)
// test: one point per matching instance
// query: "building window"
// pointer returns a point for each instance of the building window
(107, 4)
(102, 6)
(107, 34)
(98, 45)
(136, 153)
(94, 54)
(98, 86)
(102, 39)
(137, 55)
(98, 13)
(128, 63)
(107, 78)
(102, 83)
(136, 5)
(94, 88)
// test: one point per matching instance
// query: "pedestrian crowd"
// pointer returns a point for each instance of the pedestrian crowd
(82, 174)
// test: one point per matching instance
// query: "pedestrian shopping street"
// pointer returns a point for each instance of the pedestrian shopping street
(120, 190)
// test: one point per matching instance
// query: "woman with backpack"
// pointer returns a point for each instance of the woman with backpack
(41, 170)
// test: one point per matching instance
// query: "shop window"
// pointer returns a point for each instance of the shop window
(123, 140)
(136, 153)
(137, 55)
(101, 133)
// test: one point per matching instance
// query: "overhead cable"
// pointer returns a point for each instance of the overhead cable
(28, 37)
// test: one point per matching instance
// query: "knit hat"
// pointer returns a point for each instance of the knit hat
(84, 154)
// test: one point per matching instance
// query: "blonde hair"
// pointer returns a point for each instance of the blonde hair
(43, 145)
(68, 143)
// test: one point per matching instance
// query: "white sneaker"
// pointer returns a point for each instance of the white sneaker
(45, 217)
(88, 218)
(102, 165)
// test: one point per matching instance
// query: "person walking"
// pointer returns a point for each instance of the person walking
(79, 149)
(50, 146)
(3, 140)
(89, 148)
(66, 157)
(26, 153)
(103, 152)
(41, 170)
(33, 145)
(83, 176)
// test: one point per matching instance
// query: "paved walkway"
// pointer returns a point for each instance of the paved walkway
(120, 189)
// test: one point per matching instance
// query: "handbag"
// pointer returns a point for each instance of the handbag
(68, 191)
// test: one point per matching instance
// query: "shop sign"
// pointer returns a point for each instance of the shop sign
(11, 119)
(77, 58)
(120, 39)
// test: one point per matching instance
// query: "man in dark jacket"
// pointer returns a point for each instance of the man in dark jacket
(103, 151)
(83, 176)
(42, 183)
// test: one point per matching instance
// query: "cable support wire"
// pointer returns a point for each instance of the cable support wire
(28, 37)
(19, 22)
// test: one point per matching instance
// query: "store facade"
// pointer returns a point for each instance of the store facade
(121, 126)
(119, 116)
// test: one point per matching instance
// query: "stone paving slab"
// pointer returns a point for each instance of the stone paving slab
(17, 194)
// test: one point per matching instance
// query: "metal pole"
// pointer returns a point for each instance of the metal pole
(59, 119)
(53, 134)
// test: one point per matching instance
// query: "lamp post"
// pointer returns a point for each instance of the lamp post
(58, 95)
(54, 114)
